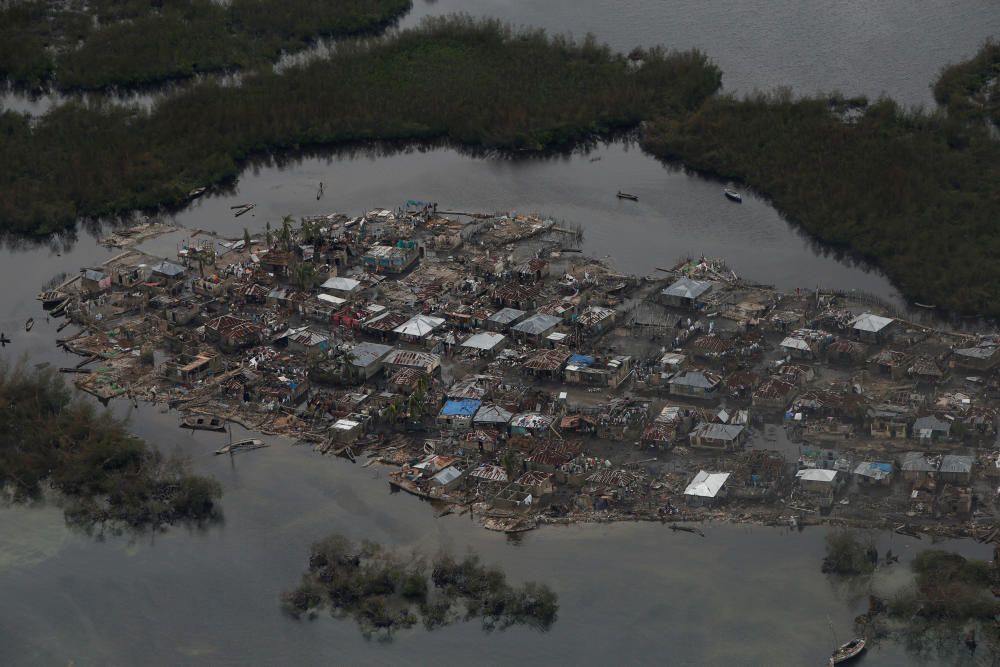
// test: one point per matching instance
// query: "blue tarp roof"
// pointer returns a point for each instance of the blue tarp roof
(581, 360)
(465, 407)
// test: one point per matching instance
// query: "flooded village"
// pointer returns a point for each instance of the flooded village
(481, 361)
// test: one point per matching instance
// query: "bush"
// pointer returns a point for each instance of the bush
(105, 475)
(846, 554)
(381, 594)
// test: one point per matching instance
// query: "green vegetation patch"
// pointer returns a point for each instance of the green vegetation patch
(384, 592)
(948, 587)
(971, 89)
(912, 193)
(847, 553)
(475, 83)
(105, 476)
(145, 43)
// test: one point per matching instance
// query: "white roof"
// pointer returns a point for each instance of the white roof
(870, 322)
(706, 484)
(817, 475)
(346, 424)
(329, 298)
(795, 343)
(486, 340)
(419, 325)
(672, 359)
(341, 284)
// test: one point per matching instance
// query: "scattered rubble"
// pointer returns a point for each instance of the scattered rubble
(495, 371)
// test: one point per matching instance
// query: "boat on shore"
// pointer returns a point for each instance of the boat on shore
(848, 651)
(52, 298)
(626, 195)
(197, 192)
(204, 423)
(510, 524)
(241, 446)
(733, 195)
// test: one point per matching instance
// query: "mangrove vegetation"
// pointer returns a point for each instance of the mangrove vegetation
(475, 83)
(383, 591)
(103, 44)
(971, 89)
(104, 477)
(910, 192)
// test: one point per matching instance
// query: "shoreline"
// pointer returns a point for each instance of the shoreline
(551, 407)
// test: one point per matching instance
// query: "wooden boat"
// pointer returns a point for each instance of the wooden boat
(241, 446)
(510, 524)
(204, 423)
(733, 195)
(30, 323)
(52, 298)
(848, 651)
(197, 192)
(626, 195)
(244, 209)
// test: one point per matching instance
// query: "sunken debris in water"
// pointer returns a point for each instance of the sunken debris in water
(384, 592)
(494, 368)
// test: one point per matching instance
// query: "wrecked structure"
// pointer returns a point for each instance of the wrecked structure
(491, 367)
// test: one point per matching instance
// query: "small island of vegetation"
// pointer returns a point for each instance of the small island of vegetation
(384, 592)
(950, 596)
(104, 477)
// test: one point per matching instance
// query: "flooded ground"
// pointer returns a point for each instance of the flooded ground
(676, 215)
(741, 595)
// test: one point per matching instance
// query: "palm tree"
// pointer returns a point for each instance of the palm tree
(413, 406)
(286, 231)
(304, 275)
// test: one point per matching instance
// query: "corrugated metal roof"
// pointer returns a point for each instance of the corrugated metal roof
(486, 340)
(817, 475)
(537, 323)
(340, 284)
(686, 288)
(706, 484)
(871, 323)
